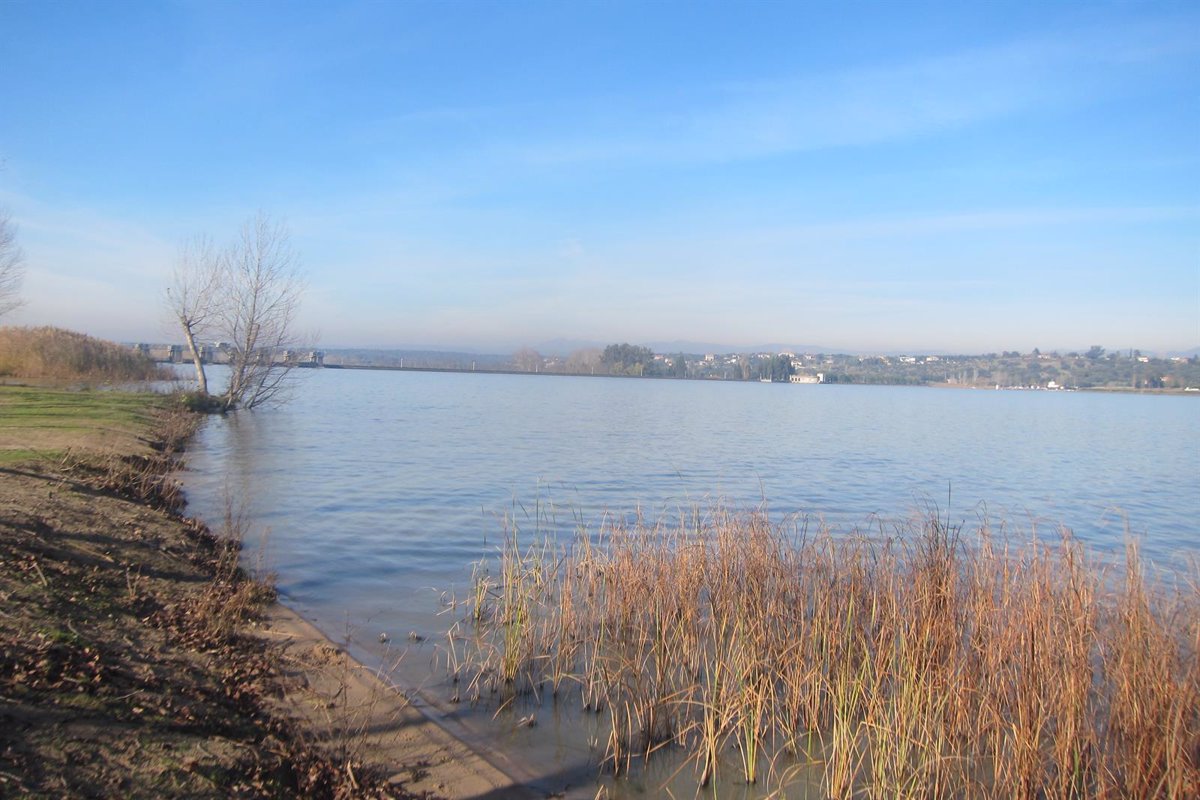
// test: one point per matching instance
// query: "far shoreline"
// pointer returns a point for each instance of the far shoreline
(1095, 389)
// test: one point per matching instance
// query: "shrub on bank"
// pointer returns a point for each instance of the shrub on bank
(49, 353)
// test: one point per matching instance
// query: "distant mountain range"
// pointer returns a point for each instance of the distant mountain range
(396, 356)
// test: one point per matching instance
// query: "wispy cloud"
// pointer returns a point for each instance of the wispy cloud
(89, 270)
(881, 103)
(911, 226)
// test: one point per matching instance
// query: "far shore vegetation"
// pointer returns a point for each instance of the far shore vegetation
(1093, 369)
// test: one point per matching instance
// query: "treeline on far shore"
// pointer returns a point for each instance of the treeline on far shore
(1095, 368)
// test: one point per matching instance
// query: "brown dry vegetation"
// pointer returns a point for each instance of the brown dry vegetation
(55, 354)
(924, 663)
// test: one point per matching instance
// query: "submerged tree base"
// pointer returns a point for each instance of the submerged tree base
(924, 661)
(202, 403)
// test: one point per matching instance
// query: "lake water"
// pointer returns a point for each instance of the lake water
(372, 493)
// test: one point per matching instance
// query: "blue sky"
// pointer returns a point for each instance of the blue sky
(960, 177)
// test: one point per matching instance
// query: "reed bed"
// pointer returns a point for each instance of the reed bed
(48, 353)
(917, 661)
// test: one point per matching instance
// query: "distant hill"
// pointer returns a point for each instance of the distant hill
(710, 347)
(564, 347)
(393, 357)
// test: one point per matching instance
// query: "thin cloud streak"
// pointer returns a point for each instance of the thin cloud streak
(1001, 219)
(876, 105)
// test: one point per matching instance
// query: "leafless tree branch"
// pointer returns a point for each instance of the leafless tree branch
(193, 296)
(262, 295)
(12, 265)
(247, 296)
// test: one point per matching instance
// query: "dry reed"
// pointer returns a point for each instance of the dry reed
(48, 353)
(917, 662)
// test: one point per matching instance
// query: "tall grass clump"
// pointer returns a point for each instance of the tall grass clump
(921, 660)
(55, 354)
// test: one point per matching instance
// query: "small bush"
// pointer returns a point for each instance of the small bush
(201, 403)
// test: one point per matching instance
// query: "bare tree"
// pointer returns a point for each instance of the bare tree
(193, 295)
(527, 360)
(12, 265)
(261, 295)
(246, 295)
(585, 361)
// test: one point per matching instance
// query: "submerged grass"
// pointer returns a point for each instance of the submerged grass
(919, 662)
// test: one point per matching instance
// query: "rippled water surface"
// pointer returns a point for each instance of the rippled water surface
(377, 490)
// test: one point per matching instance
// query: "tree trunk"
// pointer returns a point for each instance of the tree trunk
(201, 378)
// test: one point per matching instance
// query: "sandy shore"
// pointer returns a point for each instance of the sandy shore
(348, 705)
